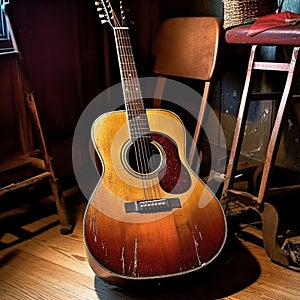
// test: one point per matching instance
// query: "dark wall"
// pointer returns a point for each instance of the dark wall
(8, 123)
(63, 45)
(52, 37)
(67, 50)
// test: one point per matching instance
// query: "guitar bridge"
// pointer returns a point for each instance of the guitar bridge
(152, 206)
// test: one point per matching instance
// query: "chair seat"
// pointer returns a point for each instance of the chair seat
(285, 35)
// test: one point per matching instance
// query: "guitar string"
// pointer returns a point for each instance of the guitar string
(121, 47)
(142, 146)
(135, 98)
(144, 153)
(142, 143)
(127, 95)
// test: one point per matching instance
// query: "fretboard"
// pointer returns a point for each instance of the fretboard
(136, 113)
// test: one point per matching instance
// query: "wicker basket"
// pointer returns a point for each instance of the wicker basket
(237, 12)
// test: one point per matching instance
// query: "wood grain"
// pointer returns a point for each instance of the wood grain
(52, 266)
(139, 246)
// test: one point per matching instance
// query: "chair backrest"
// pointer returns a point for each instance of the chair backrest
(187, 47)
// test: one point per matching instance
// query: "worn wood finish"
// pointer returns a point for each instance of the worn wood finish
(149, 245)
(166, 222)
(180, 54)
(52, 266)
(48, 169)
(285, 35)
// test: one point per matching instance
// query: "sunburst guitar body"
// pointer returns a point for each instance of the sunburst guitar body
(154, 224)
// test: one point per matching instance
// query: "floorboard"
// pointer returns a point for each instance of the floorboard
(43, 264)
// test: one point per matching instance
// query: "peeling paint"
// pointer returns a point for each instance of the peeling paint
(93, 228)
(253, 152)
(135, 258)
(198, 231)
(123, 260)
(234, 94)
(197, 244)
(290, 124)
(103, 246)
(197, 251)
(264, 116)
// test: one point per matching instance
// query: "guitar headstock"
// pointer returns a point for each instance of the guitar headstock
(108, 14)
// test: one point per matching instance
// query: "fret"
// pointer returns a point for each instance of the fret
(136, 113)
(139, 125)
(134, 104)
(131, 87)
(127, 63)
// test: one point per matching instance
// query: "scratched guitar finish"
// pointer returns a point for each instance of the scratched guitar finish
(150, 216)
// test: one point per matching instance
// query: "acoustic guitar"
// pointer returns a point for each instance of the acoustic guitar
(150, 216)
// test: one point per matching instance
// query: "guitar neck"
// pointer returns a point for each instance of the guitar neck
(136, 113)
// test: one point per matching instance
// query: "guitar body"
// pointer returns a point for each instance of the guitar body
(153, 224)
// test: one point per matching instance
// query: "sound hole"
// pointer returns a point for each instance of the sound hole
(144, 157)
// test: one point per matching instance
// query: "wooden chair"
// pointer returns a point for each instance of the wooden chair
(187, 47)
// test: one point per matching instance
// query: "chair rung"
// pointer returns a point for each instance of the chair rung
(284, 190)
(295, 99)
(24, 183)
(271, 66)
(258, 96)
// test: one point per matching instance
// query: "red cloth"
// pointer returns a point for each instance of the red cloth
(273, 20)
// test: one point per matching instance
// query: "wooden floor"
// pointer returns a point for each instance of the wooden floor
(37, 262)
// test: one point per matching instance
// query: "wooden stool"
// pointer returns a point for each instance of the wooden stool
(280, 36)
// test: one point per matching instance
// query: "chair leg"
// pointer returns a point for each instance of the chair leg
(66, 227)
(199, 125)
(158, 94)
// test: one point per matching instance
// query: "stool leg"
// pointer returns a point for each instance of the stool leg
(66, 227)
(274, 139)
(239, 129)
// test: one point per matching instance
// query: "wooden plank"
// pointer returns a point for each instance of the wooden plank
(24, 183)
(271, 66)
(35, 278)
(52, 266)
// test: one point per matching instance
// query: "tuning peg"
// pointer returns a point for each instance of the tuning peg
(101, 16)
(97, 3)
(103, 21)
(99, 8)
